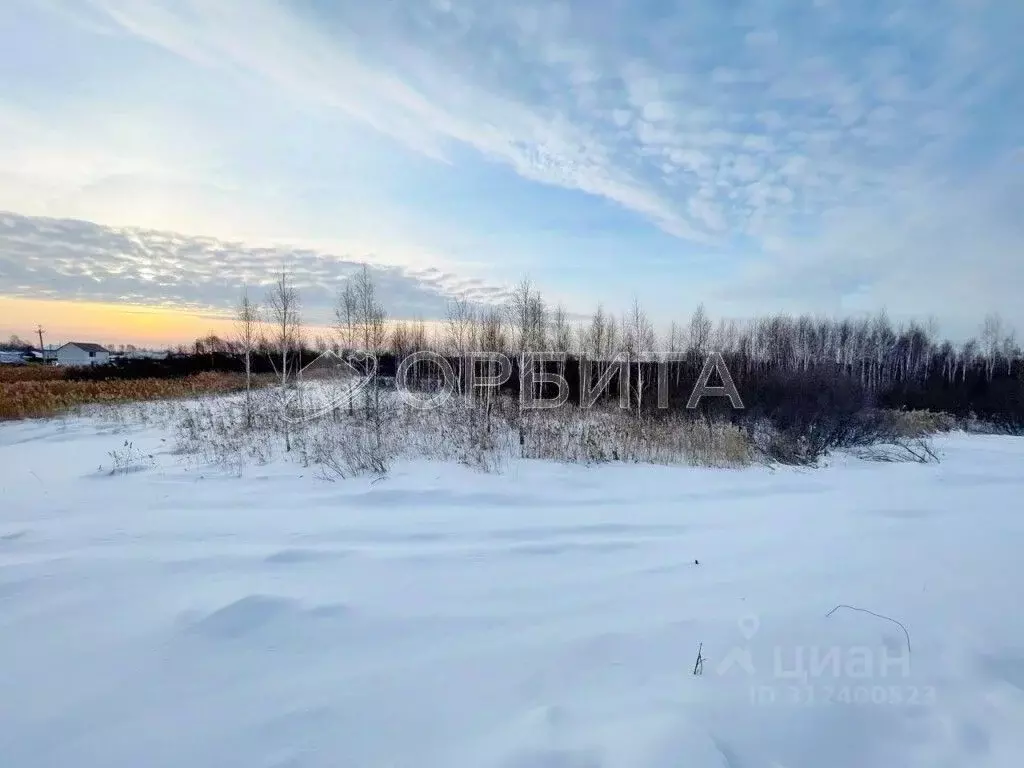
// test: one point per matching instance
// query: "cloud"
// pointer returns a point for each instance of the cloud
(65, 259)
(774, 140)
(951, 254)
(543, 143)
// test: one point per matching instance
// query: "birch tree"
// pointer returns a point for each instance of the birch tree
(284, 310)
(247, 322)
(459, 321)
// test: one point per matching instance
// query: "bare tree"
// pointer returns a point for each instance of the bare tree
(1010, 350)
(561, 336)
(675, 346)
(418, 342)
(371, 319)
(991, 339)
(561, 331)
(700, 331)
(539, 322)
(528, 320)
(492, 331)
(597, 335)
(968, 354)
(640, 345)
(345, 311)
(284, 310)
(527, 317)
(401, 339)
(247, 322)
(612, 339)
(459, 322)
(372, 324)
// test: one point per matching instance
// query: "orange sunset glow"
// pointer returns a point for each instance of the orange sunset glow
(114, 324)
(143, 326)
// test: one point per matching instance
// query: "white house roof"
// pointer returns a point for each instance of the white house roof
(85, 346)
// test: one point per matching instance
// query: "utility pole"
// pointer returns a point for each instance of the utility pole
(42, 349)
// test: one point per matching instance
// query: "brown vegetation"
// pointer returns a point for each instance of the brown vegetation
(15, 373)
(36, 391)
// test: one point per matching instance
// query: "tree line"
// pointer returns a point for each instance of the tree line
(778, 363)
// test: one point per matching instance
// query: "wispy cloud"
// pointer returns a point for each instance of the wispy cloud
(739, 149)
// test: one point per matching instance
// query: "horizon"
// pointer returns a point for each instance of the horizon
(798, 158)
(225, 327)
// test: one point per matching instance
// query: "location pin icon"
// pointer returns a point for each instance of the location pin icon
(749, 626)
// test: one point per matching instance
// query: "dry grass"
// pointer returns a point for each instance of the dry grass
(345, 445)
(598, 435)
(36, 392)
(15, 373)
(918, 424)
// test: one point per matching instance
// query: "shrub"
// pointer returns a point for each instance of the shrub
(799, 417)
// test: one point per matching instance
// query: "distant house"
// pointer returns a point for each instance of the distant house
(81, 353)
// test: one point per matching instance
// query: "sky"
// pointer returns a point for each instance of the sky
(757, 156)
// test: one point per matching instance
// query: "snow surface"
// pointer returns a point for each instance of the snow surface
(546, 617)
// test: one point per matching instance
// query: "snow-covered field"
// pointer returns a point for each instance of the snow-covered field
(546, 617)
